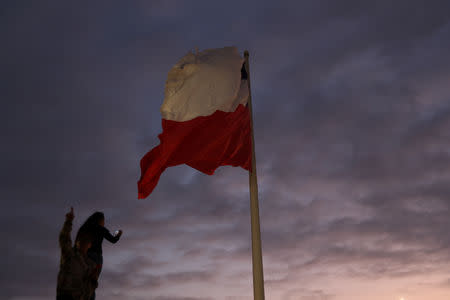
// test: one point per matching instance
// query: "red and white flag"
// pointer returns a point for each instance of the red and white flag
(205, 118)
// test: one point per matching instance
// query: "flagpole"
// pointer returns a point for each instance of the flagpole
(258, 278)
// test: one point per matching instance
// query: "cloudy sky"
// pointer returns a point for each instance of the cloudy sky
(352, 128)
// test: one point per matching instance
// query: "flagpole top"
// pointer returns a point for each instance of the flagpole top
(246, 54)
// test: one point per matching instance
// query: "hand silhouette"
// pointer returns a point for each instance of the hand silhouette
(70, 215)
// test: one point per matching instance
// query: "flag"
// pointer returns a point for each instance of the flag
(205, 118)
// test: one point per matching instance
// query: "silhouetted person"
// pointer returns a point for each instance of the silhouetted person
(95, 225)
(77, 273)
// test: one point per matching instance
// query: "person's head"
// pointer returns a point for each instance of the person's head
(84, 242)
(97, 218)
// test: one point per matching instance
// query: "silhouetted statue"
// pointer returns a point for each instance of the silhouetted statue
(77, 278)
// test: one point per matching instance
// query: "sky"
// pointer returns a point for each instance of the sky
(351, 108)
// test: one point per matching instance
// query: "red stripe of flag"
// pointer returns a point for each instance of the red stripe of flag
(203, 143)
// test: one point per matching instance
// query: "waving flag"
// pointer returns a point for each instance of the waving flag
(205, 118)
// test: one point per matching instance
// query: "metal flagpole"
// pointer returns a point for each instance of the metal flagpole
(258, 278)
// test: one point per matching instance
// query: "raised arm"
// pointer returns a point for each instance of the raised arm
(65, 241)
(111, 238)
